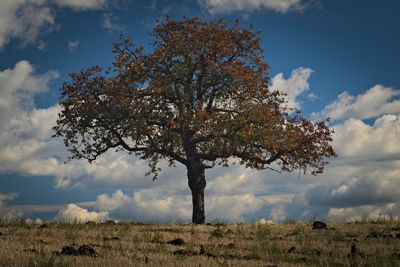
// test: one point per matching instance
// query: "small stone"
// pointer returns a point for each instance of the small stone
(86, 250)
(319, 225)
(177, 242)
(69, 251)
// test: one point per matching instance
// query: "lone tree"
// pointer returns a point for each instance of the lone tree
(199, 98)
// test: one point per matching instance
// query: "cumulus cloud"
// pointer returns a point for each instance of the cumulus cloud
(367, 169)
(295, 85)
(371, 212)
(24, 128)
(73, 213)
(24, 20)
(155, 205)
(228, 6)
(82, 5)
(278, 213)
(7, 212)
(6, 197)
(356, 139)
(376, 101)
(149, 205)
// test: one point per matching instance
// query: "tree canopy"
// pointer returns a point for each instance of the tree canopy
(199, 98)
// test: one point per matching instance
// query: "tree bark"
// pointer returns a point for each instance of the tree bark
(197, 183)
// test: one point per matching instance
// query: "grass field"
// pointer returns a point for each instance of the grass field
(132, 244)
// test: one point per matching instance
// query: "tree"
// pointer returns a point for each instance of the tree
(200, 98)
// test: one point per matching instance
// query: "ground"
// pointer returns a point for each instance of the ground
(218, 244)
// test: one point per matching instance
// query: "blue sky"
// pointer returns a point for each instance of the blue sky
(336, 59)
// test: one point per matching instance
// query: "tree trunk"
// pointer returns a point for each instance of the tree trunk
(197, 183)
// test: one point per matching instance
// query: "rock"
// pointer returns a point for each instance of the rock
(69, 251)
(319, 225)
(83, 250)
(86, 250)
(177, 242)
(398, 235)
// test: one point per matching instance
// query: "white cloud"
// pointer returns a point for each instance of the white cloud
(6, 197)
(150, 205)
(228, 6)
(367, 168)
(278, 213)
(72, 45)
(356, 139)
(73, 213)
(371, 212)
(376, 101)
(7, 212)
(24, 20)
(108, 22)
(294, 86)
(79, 5)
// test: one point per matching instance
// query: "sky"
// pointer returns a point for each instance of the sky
(336, 59)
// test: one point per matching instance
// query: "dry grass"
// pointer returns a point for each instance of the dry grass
(129, 244)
